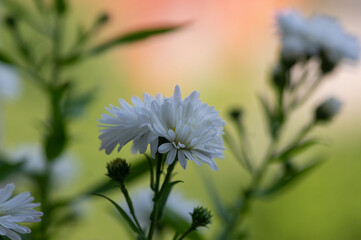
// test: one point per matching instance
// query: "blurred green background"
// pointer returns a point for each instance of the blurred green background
(226, 52)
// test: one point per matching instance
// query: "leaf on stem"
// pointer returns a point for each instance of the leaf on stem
(217, 202)
(122, 212)
(123, 39)
(21, 11)
(5, 58)
(294, 150)
(7, 168)
(164, 196)
(284, 182)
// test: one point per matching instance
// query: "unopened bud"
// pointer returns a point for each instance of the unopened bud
(327, 110)
(103, 18)
(11, 21)
(236, 114)
(118, 170)
(201, 217)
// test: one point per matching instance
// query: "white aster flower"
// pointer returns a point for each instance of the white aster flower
(193, 130)
(129, 123)
(19, 209)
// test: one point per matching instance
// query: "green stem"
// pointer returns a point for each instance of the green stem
(189, 230)
(156, 197)
(157, 208)
(131, 207)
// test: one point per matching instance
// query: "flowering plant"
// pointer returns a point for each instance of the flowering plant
(164, 130)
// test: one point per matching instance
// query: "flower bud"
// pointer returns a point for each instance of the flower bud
(11, 21)
(327, 110)
(118, 170)
(201, 217)
(236, 114)
(102, 19)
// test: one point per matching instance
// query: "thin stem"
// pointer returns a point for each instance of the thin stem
(157, 208)
(155, 199)
(189, 230)
(131, 207)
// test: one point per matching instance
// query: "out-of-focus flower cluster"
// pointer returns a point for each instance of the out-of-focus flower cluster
(318, 35)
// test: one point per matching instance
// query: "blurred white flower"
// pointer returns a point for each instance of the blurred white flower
(193, 130)
(9, 82)
(328, 34)
(143, 204)
(18, 209)
(63, 168)
(316, 35)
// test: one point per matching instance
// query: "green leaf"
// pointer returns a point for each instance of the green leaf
(76, 103)
(294, 150)
(217, 202)
(122, 212)
(5, 58)
(164, 196)
(7, 168)
(123, 39)
(20, 10)
(284, 182)
(272, 121)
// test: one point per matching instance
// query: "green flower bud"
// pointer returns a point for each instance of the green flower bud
(11, 21)
(102, 19)
(201, 217)
(327, 110)
(118, 170)
(236, 114)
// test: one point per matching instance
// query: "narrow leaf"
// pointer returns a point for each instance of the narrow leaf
(117, 41)
(122, 212)
(294, 149)
(5, 58)
(164, 197)
(282, 183)
(213, 193)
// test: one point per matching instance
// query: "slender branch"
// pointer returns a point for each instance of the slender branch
(189, 230)
(130, 206)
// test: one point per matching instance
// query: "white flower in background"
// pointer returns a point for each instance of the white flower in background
(318, 34)
(294, 28)
(19, 209)
(129, 123)
(63, 168)
(192, 128)
(143, 205)
(330, 38)
(9, 82)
